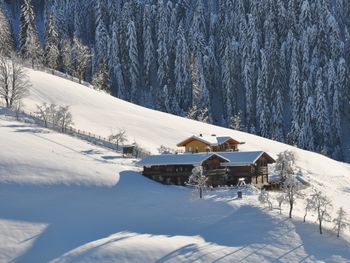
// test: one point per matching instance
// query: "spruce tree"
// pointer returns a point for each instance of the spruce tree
(182, 71)
(100, 80)
(133, 61)
(52, 52)
(29, 43)
(6, 41)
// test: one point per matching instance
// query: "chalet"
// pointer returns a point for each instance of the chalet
(213, 143)
(221, 168)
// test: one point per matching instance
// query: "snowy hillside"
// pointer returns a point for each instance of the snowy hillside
(64, 200)
(100, 113)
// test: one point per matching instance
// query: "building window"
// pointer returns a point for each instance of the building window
(189, 149)
(197, 149)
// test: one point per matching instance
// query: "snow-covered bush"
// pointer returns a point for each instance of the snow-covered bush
(165, 150)
(264, 198)
(55, 116)
(198, 179)
(285, 164)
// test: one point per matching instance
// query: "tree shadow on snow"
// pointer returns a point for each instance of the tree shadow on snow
(77, 215)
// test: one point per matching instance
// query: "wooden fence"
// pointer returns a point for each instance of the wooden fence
(92, 138)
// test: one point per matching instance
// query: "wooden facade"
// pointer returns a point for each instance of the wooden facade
(218, 170)
(179, 174)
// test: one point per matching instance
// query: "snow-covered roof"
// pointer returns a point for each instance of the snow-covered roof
(178, 159)
(243, 158)
(229, 158)
(212, 140)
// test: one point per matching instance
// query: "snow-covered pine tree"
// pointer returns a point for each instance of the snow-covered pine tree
(306, 136)
(52, 52)
(249, 96)
(114, 65)
(227, 81)
(149, 54)
(262, 109)
(133, 61)
(29, 43)
(183, 89)
(101, 35)
(322, 116)
(162, 50)
(67, 56)
(100, 80)
(6, 40)
(277, 118)
(336, 126)
(295, 97)
(81, 58)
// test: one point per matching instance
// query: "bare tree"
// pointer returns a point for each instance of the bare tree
(119, 137)
(19, 82)
(5, 81)
(264, 198)
(64, 118)
(198, 179)
(291, 188)
(321, 204)
(14, 82)
(43, 113)
(56, 116)
(341, 222)
(281, 198)
(308, 207)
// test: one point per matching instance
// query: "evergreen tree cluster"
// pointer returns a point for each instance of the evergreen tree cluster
(281, 65)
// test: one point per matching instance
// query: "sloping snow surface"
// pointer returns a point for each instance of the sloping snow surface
(64, 200)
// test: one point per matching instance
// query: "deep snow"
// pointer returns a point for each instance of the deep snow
(64, 200)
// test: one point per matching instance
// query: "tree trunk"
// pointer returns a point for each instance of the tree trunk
(320, 226)
(290, 209)
(200, 192)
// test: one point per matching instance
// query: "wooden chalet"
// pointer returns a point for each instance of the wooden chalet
(213, 143)
(222, 168)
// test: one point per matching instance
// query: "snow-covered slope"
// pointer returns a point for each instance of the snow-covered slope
(64, 200)
(100, 113)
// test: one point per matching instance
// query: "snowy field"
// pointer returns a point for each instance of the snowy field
(64, 200)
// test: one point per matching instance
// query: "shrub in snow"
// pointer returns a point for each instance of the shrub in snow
(165, 150)
(198, 179)
(281, 198)
(308, 207)
(341, 222)
(55, 116)
(264, 198)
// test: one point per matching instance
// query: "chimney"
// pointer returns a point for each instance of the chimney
(200, 135)
(214, 135)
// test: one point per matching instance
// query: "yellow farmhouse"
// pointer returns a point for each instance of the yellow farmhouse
(213, 143)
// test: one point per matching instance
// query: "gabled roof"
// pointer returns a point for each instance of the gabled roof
(244, 158)
(178, 159)
(209, 140)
